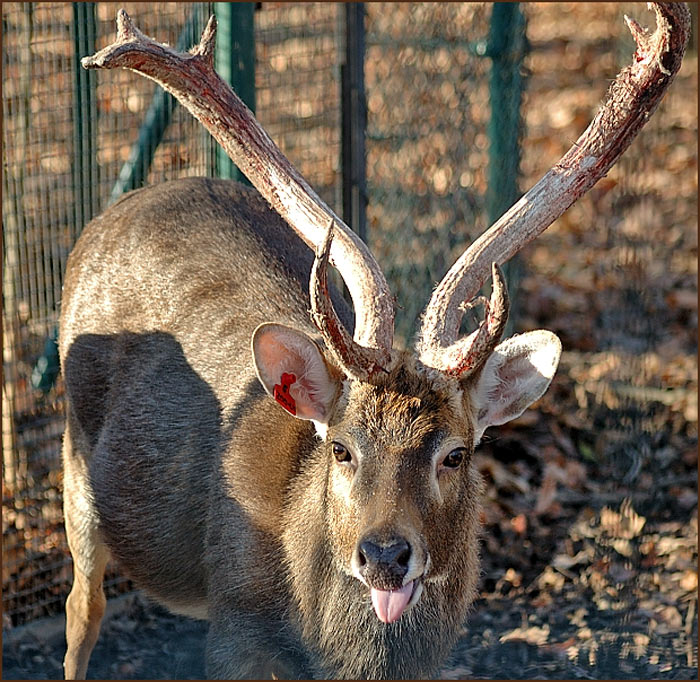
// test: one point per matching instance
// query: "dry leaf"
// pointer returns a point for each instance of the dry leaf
(532, 635)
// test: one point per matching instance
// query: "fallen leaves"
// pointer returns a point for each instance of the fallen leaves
(532, 635)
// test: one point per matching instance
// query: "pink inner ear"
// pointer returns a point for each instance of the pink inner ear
(516, 375)
(307, 396)
(282, 353)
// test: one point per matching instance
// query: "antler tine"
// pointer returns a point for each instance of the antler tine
(630, 101)
(191, 78)
(469, 354)
(352, 358)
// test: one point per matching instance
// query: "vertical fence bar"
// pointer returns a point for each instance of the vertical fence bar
(235, 63)
(354, 121)
(507, 47)
(84, 115)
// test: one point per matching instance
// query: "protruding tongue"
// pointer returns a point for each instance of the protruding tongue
(390, 604)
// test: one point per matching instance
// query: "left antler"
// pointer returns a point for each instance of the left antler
(630, 101)
(191, 78)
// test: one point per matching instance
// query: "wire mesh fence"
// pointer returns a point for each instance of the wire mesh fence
(615, 278)
(427, 160)
(69, 138)
(427, 144)
(297, 83)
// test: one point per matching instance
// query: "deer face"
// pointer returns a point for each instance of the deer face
(400, 467)
(402, 494)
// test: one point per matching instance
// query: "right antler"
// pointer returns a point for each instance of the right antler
(191, 78)
(631, 99)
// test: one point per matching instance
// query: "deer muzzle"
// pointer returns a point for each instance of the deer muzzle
(392, 566)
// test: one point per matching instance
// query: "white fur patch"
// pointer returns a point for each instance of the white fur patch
(321, 429)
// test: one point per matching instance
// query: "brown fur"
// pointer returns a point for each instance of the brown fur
(393, 422)
(219, 503)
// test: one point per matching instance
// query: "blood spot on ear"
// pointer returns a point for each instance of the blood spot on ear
(282, 395)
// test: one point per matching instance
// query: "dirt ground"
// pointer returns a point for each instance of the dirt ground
(590, 523)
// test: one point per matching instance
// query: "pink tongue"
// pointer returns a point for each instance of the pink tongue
(390, 604)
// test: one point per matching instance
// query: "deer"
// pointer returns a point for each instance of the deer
(253, 450)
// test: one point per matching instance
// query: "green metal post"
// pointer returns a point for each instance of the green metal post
(507, 47)
(354, 121)
(84, 169)
(85, 183)
(234, 59)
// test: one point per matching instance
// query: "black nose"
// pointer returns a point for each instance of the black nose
(384, 565)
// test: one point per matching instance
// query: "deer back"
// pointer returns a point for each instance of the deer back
(161, 297)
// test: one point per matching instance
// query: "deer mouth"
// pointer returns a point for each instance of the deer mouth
(389, 605)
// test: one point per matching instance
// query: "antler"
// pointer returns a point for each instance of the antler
(630, 101)
(191, 78)
(326, 320)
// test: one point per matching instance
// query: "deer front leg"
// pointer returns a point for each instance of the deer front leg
(84, 610)
(86, 602)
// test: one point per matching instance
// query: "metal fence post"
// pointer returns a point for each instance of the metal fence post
(85, 167)
(235, 63)
(84, 115)
(507, 47)
(354, 121)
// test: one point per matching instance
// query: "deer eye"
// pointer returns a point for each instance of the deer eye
(341, 453)
(455, 458)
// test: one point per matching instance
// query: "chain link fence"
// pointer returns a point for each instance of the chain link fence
(72, 141)
(614, 277)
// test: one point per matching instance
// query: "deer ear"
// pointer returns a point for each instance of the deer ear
(516, 374)
(292, 370)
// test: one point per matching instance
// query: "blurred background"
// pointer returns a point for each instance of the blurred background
(420, 123)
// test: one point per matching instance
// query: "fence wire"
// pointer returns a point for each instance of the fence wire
(427, 145)
(45, 204)
(615, 278)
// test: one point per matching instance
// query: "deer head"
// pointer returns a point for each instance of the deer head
(398, 490)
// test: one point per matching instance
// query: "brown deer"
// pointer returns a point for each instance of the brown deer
(293, 478)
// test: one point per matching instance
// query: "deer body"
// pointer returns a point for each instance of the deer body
(214, 500)
(248, 451)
